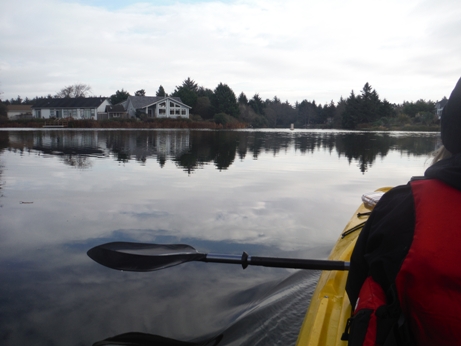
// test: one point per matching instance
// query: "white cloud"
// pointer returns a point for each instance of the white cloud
(292, 49)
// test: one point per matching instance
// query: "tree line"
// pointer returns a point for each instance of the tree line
(222, 106)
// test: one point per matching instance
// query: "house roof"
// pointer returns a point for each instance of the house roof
(80, 102)
(19, 108)
(442, 103)
(145, 101)
(118, 108)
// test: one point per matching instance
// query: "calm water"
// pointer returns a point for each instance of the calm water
(270, 193)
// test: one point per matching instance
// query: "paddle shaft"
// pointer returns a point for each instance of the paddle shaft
(277, 262)
(143, 257)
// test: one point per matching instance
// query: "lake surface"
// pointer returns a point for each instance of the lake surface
(269, 193)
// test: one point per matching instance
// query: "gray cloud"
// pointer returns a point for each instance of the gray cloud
(293, 50)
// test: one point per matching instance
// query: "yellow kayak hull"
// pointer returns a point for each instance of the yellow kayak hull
(330, 308)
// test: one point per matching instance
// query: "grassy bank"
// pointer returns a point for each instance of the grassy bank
(122, 123)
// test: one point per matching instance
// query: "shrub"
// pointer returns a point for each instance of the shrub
(224, 119)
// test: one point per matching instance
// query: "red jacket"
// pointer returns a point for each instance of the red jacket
(410, 250)
(429, 281)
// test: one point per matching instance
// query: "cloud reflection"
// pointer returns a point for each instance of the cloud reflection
(286, 194)
(94, 302)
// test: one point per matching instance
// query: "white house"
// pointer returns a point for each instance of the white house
(439, 107)
(156, 106)
(77, 108)
(19, 111)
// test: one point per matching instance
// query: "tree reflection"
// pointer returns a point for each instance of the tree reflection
(4, 143)
(78, 161)
(192, 150)
(364, 148)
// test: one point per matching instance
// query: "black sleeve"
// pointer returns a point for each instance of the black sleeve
(383, 242)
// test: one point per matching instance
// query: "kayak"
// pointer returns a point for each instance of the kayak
(329, 309)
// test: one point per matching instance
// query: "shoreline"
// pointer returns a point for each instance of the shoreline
(186, 124)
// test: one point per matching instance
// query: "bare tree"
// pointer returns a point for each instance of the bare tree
(73, 91)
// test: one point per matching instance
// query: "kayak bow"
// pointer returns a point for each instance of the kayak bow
(329, 309)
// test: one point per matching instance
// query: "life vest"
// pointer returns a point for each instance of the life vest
(423, 307)
(429, 281)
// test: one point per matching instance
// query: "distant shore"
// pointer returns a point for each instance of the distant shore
(122, 123)
(181, 124)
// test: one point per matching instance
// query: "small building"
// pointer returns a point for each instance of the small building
(439, 107)
(76, 108)
(116, 111)
(19, 112)
(156, 107)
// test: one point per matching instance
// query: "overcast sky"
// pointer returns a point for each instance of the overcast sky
(314, 49)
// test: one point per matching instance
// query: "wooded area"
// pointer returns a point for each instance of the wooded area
(221, 105)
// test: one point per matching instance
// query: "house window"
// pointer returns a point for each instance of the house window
(74, 113)
(183, 111)
(86, 113)
(171, 104)
(171, 111)
(177, 111)
(66, 113)
(163, 104)
(52, 115)
(38, 113)
(162, 111)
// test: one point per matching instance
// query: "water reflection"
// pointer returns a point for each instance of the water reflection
(270, 193)
(191, 150)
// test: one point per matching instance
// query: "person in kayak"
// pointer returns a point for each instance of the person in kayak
(405, 274)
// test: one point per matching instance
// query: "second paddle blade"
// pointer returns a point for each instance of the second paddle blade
(141, 257)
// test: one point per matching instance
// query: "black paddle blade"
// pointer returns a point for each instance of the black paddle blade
(141, 339)
(141, 257)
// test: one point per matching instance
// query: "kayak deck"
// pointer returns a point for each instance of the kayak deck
(330, 308)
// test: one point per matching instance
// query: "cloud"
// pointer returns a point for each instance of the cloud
(293, 50)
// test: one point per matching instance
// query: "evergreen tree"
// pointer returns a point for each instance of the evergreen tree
(257, 104)
(141, 92)
(224, 101)
(190, 84)
(186, 95)
(420, 106)
(202, 91)
(187, 92)
(243, 99)
(351, 114)
(365, 108)
(161, 92)
(119, 96)
(329, 112)
(369, 104)
(387, 109)
(285, 113)
(303, 113)
(16, 101)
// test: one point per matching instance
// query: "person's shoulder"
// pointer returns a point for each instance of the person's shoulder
(399, 191)
(400, 197)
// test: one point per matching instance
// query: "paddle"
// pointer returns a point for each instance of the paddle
(141, 257)
(142, 339)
